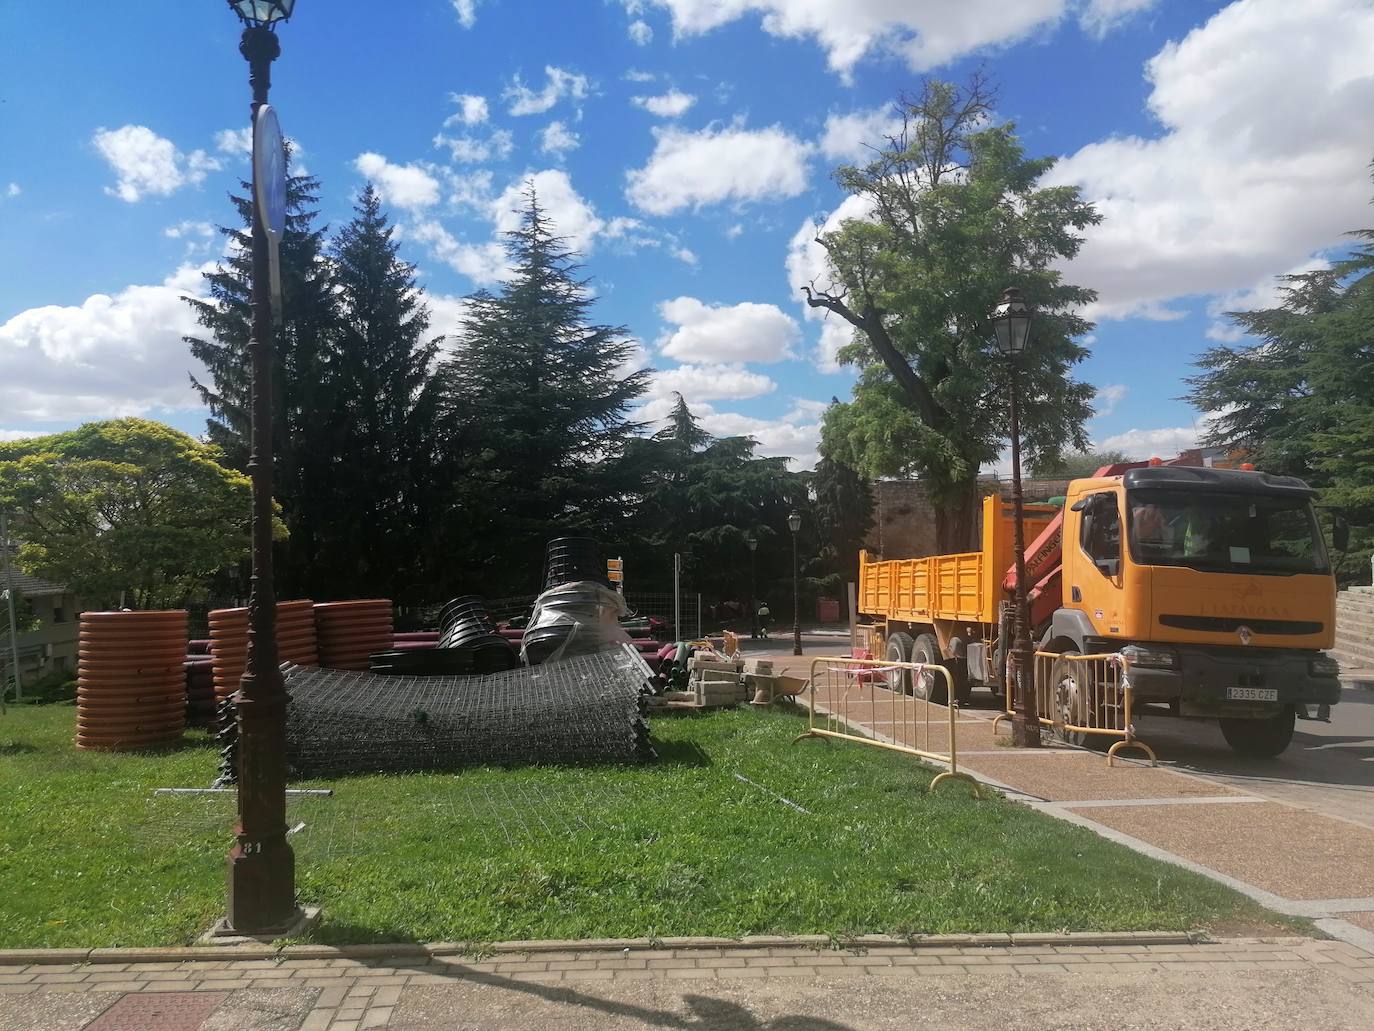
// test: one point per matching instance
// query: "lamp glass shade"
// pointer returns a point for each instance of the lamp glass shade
(1011, 322)
(262, 12)
(794, 522)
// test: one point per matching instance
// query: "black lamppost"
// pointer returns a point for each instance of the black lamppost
(794, 524)
(262, 869)
(753, 543)
(1011, 322)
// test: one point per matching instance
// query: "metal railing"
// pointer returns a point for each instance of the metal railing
(846, 694)
(1083, 696)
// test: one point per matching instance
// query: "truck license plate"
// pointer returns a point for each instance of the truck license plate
(1252, 694)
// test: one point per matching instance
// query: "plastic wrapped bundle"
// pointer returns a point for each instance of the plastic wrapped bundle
(585, 709)
(574, 619)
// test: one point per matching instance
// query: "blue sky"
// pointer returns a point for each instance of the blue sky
(685, 146)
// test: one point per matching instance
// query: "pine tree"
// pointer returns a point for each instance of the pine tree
(385, 405)
(540, 394)
(301, 355)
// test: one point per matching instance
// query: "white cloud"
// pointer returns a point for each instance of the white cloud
(405, 186)
(835, 333)
(711, 382)
(483, 263)
(557, 138)
(685, 255)
(466, 11)
(1256, 170)
(1163, 443)
(147, 164)
(448, 316)
(13, 190)
(472, 110)
(641, 32)
(112, 355)
(666, 105)
(735, 231)
(572, 217)
(1100, 17)
(851, 137)
(6, 436)
(924, 34)
(691, 169)
(187, 229)
(238, 142)
(638, 75)
(747, 332)
(1108, 398)
(472, 150)
(560, 84)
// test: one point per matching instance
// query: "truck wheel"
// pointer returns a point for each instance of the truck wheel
(899, 650)
(927, 684)
(1263, 739)
(1069, 703)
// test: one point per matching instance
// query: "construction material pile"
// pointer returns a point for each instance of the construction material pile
(582, 709)
(350, 631)
(467, 644)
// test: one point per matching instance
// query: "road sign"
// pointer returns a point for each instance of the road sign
(615, 573)
(269, 189)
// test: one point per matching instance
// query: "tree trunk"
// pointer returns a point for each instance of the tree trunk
(956, 519)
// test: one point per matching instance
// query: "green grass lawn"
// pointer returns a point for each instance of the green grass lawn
(683, 847)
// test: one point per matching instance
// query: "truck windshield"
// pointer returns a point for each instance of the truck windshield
(1225, 533)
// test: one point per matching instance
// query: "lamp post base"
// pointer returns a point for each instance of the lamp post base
(223, 934)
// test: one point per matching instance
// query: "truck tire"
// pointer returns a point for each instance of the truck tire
(1069, 704)
(898, 650)
(957, 664)
(1262, 739)
(927, 685)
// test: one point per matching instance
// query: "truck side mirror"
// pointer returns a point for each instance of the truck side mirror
(1340, 534)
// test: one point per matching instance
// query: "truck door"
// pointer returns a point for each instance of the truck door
(1095, 576)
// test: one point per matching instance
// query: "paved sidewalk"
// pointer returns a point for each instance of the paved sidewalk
(1234, 984)
(1277, 841)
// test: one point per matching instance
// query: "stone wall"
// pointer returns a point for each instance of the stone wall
(904, 518)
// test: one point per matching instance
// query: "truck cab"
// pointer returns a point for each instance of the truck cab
(1215, 584)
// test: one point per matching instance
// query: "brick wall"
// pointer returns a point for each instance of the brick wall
(904, 518)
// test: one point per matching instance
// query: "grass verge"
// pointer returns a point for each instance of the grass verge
(697, 844)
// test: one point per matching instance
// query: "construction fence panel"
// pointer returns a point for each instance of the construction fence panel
(845, 694)
(1083, 696)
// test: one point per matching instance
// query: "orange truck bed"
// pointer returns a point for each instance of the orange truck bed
(964, 587)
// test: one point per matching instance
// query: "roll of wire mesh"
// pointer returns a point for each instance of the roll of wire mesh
(131, 679)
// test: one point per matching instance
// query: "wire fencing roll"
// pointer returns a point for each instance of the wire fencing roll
(585, 709)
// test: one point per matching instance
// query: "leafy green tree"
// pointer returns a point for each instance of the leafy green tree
(1300, 400)
(304, 427)
(1074, 465)
(126, 506)
(538, 394)
(703, 497)
(383, 404)
(957, 215)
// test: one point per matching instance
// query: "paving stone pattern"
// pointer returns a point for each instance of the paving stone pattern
(318, 994)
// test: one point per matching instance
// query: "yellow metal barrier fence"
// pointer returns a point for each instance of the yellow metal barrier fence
(1082, 696)
(849, 692)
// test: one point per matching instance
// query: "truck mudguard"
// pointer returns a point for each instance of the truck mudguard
(1071, 624)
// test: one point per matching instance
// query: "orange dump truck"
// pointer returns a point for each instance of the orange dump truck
(1213, 584)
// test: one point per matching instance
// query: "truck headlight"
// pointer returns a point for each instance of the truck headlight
(1324, 666)
(1155, 658)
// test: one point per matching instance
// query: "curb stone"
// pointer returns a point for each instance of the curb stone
(378, 950)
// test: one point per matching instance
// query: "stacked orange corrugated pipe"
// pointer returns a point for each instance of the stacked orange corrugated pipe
(131, 679)
(229, 641)
(350, 631)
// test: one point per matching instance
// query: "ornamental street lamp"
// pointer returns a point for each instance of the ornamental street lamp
(1011, 322)
(753, 543)
(794, 524)
(262, 876)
